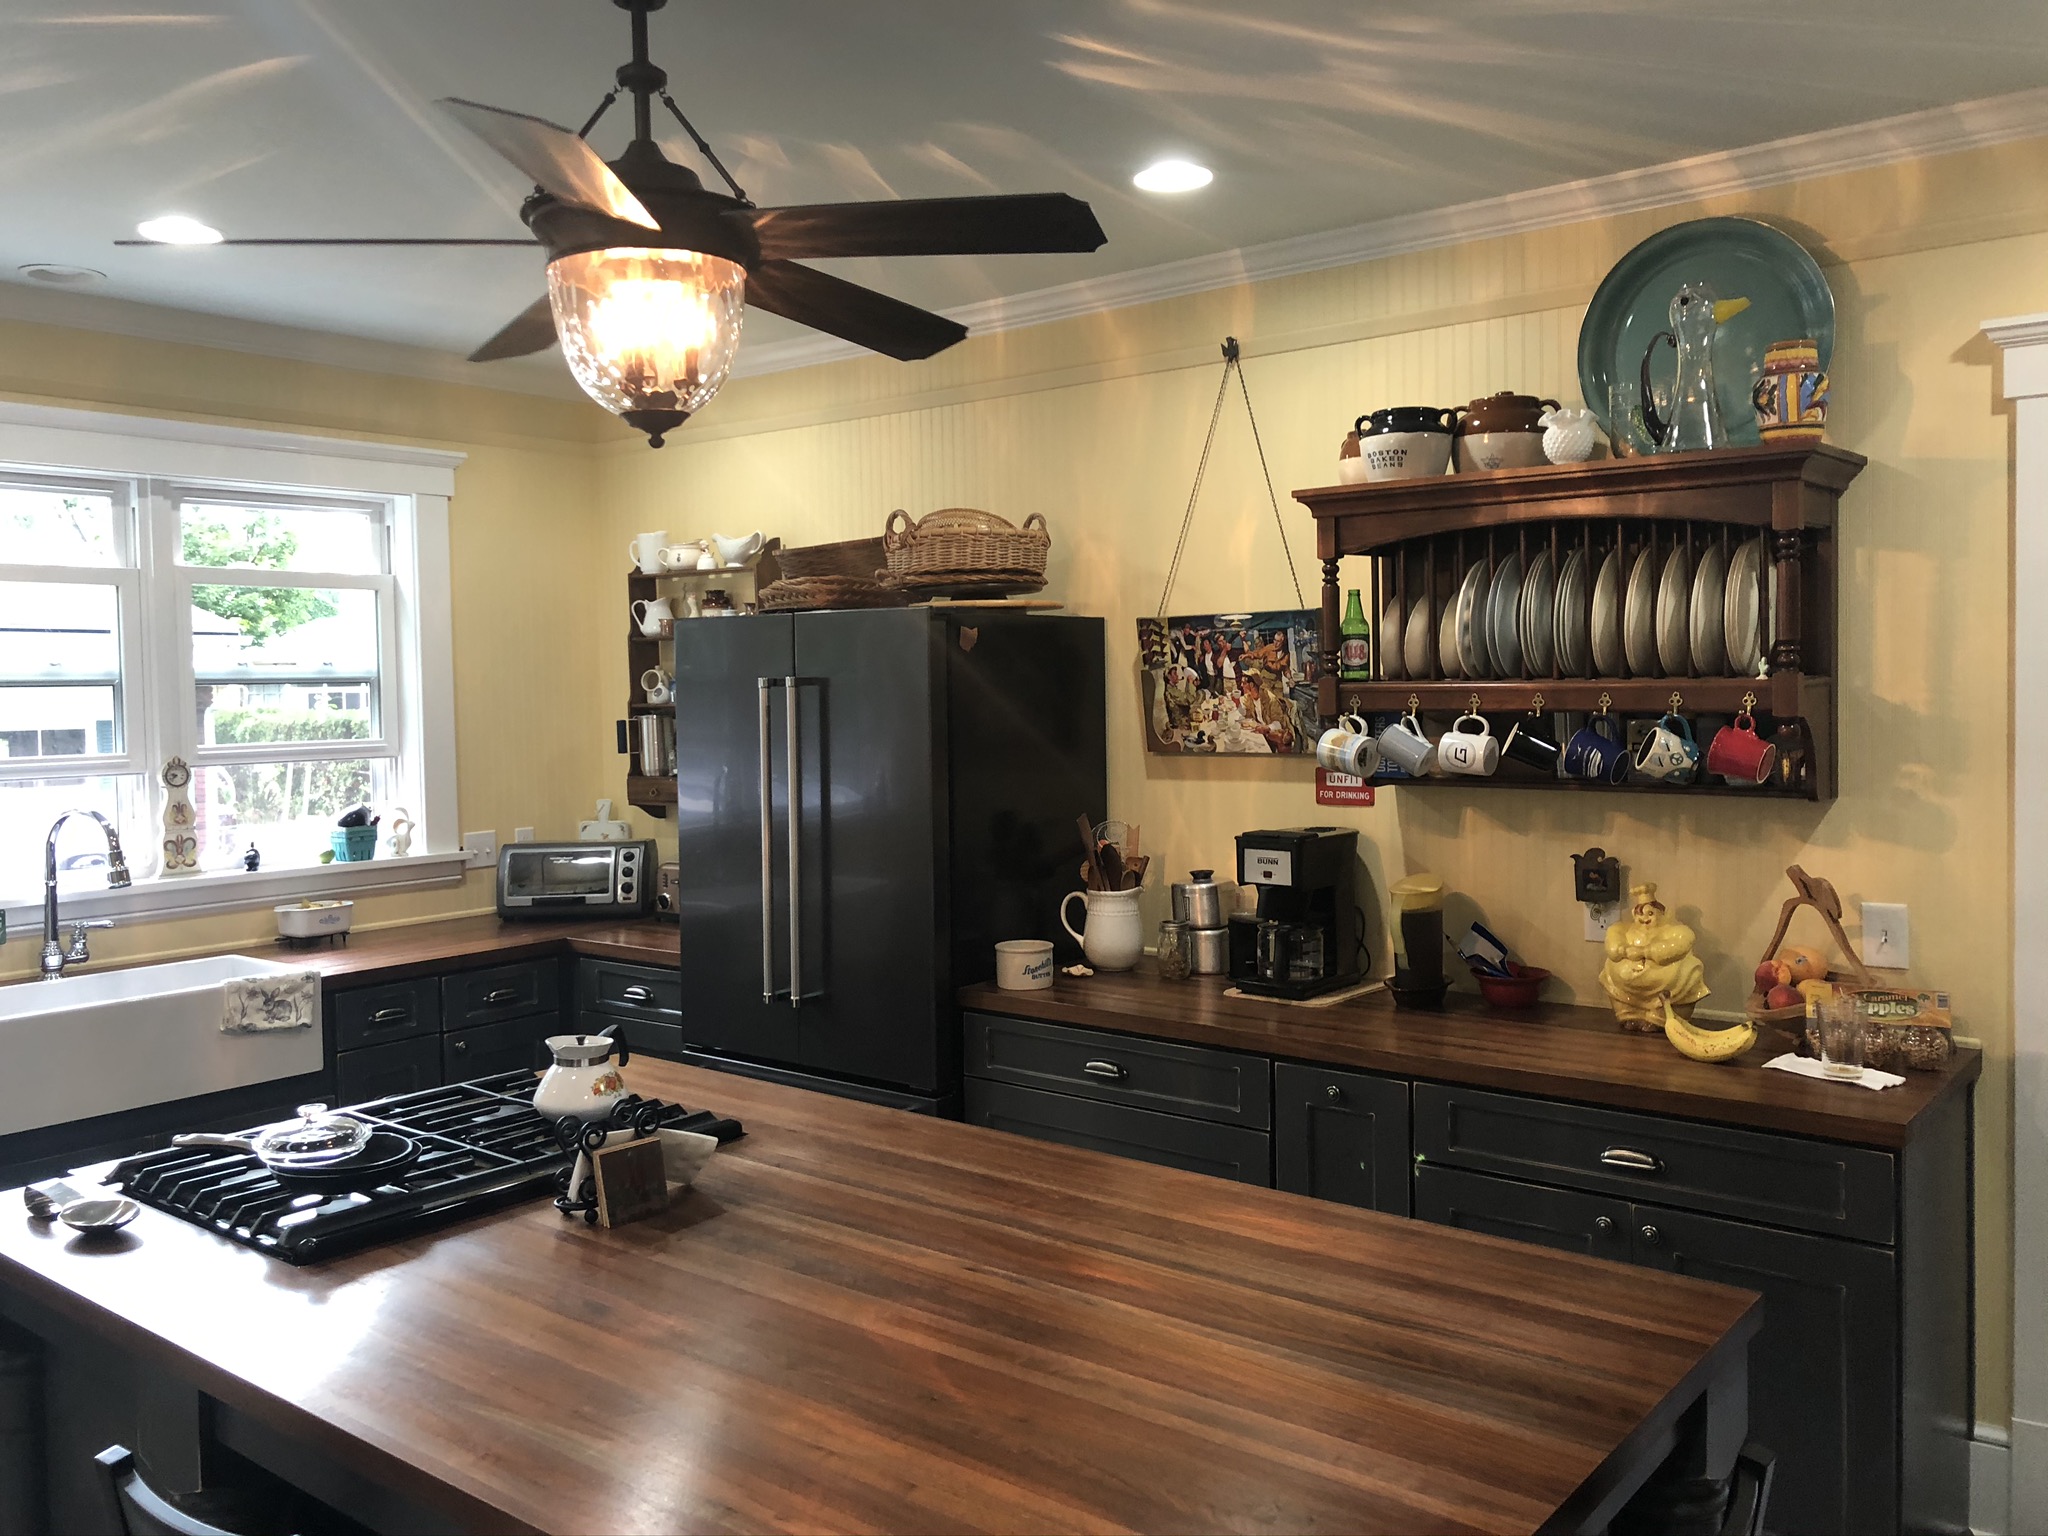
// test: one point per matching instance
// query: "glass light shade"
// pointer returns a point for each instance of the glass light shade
(649, 334)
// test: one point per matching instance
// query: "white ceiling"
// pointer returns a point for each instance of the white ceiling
(314, 117)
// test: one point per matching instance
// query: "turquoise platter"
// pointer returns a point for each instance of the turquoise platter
(1739, 258)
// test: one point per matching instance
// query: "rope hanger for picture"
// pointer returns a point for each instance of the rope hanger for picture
(1232, 363)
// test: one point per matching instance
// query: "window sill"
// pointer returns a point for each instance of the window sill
(238, 891)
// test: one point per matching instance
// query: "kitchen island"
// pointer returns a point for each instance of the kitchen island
(860, 1318)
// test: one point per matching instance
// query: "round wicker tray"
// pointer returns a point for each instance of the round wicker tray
(956, 539)
(980, 581)
(794, 594)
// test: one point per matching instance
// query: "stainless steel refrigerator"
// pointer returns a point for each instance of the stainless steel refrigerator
(867, 800)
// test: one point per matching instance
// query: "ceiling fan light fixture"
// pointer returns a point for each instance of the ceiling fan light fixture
(178, 229)
(649, 334)
(1173, 176)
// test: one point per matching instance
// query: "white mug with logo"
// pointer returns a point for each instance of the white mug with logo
(1472, 752)
(658, 685)
(1348, 747)
(645, 551)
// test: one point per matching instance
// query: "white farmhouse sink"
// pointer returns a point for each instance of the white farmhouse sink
(104, 1041)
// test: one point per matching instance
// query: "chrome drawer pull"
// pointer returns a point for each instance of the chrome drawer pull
(636, 995)
(501, 995)
(1108, 1069)
(390, 1015)
(1629, 1158)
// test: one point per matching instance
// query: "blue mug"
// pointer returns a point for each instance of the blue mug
(1669, 752)
(1595, 754)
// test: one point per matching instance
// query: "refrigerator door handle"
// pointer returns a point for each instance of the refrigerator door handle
(764, 685)
(796, 819)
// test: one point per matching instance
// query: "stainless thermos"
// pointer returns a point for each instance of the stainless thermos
(1198, 905)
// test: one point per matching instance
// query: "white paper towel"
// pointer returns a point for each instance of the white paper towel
(1806, 1066)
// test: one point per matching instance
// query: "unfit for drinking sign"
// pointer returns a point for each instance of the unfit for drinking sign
(1334, 788)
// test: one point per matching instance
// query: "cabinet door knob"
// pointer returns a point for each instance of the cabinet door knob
(1652, 1236)
(1603, 1223)
(458, 1046)
(1335, 1092)
(1108, 1069)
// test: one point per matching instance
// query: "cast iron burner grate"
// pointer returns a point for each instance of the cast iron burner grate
(482, 1145)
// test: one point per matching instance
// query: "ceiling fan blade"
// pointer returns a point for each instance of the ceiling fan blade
(532, 330)
(559, 162)
(931, 226)
(850, 312)
(528, 242)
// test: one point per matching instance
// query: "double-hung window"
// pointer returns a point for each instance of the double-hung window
(271, 610)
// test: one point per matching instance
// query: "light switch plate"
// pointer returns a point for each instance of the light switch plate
(1886, 937)
(1600, 916)
(522, 834)
(482, 848)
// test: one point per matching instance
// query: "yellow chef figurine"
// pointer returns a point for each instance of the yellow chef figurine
(1649, 962)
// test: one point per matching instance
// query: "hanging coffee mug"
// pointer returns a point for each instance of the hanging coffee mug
(1739, 755)
(1595, 752)
(1404, 745)
(1474, 752)
(1669, 752)
(1348, 747)
(1527, 743)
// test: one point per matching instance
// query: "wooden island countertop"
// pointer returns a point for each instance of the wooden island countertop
(865, 1319)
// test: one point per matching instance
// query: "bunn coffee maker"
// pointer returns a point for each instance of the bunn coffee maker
(1308, 935)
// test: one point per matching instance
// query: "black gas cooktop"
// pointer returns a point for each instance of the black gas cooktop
(481, 1144)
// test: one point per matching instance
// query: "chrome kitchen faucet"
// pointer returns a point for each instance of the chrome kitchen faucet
(55, 956)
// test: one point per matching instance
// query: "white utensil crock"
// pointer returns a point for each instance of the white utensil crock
(1114, 937)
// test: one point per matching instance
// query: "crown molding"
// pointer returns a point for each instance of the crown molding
(1858, 146)
(261, 338)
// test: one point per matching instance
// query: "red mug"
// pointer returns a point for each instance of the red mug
(1739, 755)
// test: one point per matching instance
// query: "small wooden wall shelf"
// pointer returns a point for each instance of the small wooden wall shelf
(1421, 535)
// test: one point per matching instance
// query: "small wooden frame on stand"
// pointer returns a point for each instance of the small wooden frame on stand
(632, 1181)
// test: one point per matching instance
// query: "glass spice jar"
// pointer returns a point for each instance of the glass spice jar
(1174, 960)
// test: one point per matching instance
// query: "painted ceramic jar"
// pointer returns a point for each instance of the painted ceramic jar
(1791, 395)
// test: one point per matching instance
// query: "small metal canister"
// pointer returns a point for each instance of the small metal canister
(1198, 900)
(1208, 950)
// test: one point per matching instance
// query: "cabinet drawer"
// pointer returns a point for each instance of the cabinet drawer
(644, 1037)
(1525, 1213)
(630, 991)
(1122, 1069)
(1224, 1151)
(403, 1066)
(502, 992)
(1784, 1181)
(485, 1049)
(377, 1015)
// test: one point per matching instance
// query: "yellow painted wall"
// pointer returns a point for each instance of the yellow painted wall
(533, 738)
(1096, 423)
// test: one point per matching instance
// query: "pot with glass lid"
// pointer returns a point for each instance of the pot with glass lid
(582, 1081)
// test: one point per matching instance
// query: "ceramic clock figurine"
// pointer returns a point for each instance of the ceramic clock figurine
(181, 838)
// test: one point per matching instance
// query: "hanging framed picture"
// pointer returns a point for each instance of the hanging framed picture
(1231, 684)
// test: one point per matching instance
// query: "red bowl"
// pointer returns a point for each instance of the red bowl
(1518, 989)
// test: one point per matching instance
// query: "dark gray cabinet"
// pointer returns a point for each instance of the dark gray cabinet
(402, 1036)
(379, 1071)
(1200, 1146)
(1157, 1075)
(643, 1001)
(1341, 1136)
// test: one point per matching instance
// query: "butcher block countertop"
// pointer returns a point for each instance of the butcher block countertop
(861, 1319)
(423, 948)
(1551, 1051)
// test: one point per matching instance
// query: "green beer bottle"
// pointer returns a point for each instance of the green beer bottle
(1354, 652)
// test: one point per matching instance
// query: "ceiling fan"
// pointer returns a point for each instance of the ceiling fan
(650, 272)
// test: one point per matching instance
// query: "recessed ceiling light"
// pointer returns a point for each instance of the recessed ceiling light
(1172, 176)
(176, 229)
(58, 275)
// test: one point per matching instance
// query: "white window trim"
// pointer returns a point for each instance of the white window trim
(420, 482)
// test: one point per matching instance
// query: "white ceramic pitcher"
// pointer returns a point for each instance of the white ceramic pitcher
(1115, 936)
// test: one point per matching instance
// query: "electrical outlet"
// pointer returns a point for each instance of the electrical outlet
(1600, 916)
(1885, 936)
(482, 848)
(522, 834)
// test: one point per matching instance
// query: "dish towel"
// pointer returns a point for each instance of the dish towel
(1806, 1066)
(252, 1005)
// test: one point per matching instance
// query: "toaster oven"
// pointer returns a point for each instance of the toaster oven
(575, 879)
